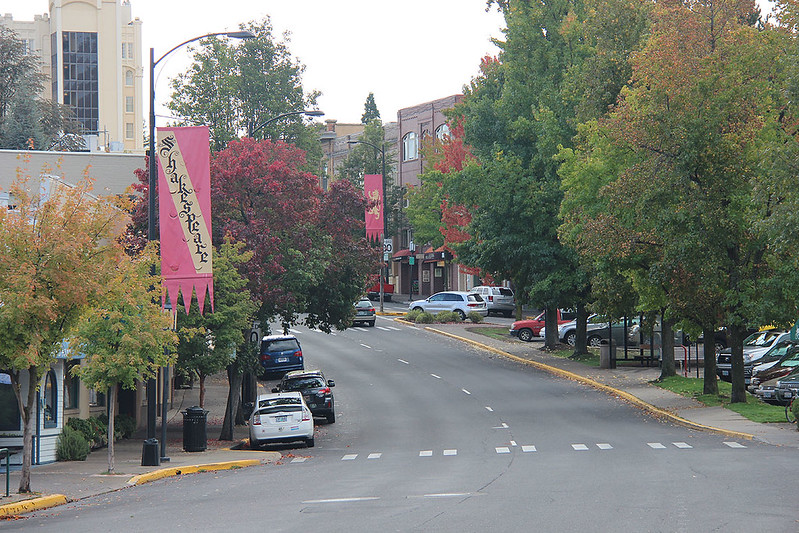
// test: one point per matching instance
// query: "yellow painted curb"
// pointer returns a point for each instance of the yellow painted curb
(595, 384)
(34, 504)
(190, 469)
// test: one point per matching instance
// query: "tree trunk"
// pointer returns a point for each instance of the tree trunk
(551, 324)
(234, 393)
(112, 394)
(736, 336)
(581, 337)
(28, 412)
(202, 389)
(711, 384)
(667, 367)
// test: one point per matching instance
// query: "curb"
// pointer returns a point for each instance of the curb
(35, 504)
(595, 384)
(191, 469)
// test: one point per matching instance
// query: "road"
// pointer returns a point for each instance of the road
(432, 435)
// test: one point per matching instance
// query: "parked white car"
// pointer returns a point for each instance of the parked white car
(281, 417)
(462, 303)
(498, 299)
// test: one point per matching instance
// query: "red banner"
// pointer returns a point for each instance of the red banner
(184, 186)
(373, 189)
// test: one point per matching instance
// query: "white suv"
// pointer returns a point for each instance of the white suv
(462, 303)
(498, 299)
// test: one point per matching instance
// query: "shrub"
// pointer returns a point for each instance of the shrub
(795, 411)
(412, 315)
(475, 317)
(93, 429)
(448, 316)
(424, 318)
(71, 445)
(124, 426)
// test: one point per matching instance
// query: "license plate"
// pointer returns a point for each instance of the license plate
(282, 359)
(725, 373)
(787, 394)
(767, 394)
(281, 418)
(362, 313)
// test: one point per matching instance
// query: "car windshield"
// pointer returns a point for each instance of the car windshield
(780, 350)
(278, 402)
(761, 338)
(296, 384)
(280, 345)
(280, 409)
(364, 304)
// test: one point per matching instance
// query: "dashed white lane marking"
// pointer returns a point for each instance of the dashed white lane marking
(299, 459)
(426, 453)
(467, 392)
(450, 452)
(403, 361)
(366, 346)
(448, 495)
(437, 377)
(735, 445)
(682, 445)
(656, 445)
(502, 449)
(349, 457)
(580, 447)
(489, 409)
(503, 426)
(384, 329)
(374, 456)
(344, 500)
(528, 448)
(604, 446)
(360, 329)
(513, 443)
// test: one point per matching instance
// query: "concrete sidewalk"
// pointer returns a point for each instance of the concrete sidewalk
(58, 483)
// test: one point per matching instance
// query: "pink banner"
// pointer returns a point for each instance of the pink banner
(184, 186)
(373, 189)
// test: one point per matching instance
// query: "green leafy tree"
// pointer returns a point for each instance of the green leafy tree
(126, 336)
(55, 259)
(370, 111)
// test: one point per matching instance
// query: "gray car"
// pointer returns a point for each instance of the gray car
(498, 299)
(461, 302)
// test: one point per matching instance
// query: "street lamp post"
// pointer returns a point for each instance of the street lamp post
(308, 113)
(147, 459)
(382, 151)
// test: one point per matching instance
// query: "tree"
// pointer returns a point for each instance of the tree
(237, 86)
(126, 336)
(370, 111)
(55, 256)
(208, 342)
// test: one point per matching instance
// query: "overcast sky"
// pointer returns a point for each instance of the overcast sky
(406, 53)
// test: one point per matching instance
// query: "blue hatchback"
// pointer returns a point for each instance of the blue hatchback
(281, 353)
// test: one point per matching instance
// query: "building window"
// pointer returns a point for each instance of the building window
(129, 130)
(71, 387)
(129, 78)
(442, 132)
(129, 104)
(410, 146)
(81, 82)
(96, 399)
(9, 408)
(50, 401)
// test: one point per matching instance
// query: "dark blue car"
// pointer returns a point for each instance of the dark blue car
(281, 353)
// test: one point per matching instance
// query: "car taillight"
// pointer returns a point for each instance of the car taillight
(256, 420)
(322, 392)
(265, 357)
(490, 298)
(298, 353)
(473, 305)
(306, 415)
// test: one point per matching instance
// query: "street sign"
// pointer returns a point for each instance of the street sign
(388, 246)
(411, 260)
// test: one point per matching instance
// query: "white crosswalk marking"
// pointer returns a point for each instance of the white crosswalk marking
(682, 445)
(294, 331)
(374, 456)
(580, 447)
(604, 446)
(299, 459)
(392, 328)
(528, 448)
(502, 449)
(513, 443)
(349, 457)
(656, 445)
(735, 445)
(384, 329)
(450, 452)
(426, 453)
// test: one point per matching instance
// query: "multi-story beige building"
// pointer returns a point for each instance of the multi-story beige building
(91, 56)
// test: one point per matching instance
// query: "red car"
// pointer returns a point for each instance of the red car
(527, 329)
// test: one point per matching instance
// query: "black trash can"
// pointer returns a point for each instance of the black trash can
(149, 453)
(194, 436)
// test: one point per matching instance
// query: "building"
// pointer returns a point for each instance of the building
(91, 57)
(337, 143)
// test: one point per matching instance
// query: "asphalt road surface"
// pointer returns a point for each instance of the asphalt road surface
(433, 435)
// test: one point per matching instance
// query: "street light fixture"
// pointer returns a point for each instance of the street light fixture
(308, 113)
(382, 151)
(148, 459)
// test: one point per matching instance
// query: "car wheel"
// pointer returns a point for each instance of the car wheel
(371, 324)
(417, 308)
(461, 314)
(571, 338)
(594, 341)
(526, 335)
(331, 418)
(254, 444)
(309, 442)
(719, 346)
